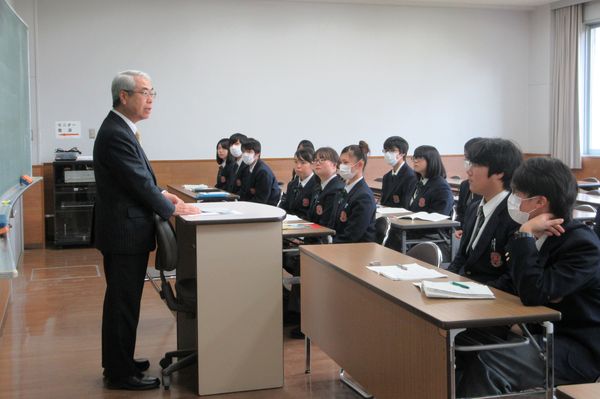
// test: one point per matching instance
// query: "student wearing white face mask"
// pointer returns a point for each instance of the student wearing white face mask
(399, 183)
(354, 207)
(238, 169)
(553, 261)
(259, 183)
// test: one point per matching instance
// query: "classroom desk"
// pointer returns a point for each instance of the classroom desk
(236, 259)
(406, 225)
(579, 391)
(588, 185)
(393, 340)
(590, 199)
(190, 196)
(311, 230)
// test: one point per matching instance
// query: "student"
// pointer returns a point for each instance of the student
(399, 183)
(354, 206)
(553, 262)
(487, 225)
(300, 189)
(259, 183)
(303, 145)
(325, 164)
(465, 196)
(226, 162)
(432, 192)
(239, 168)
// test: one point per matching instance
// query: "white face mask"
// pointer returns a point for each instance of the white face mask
(236, 150)
(248, 158)
(390, 158)
(346, 172)
(514, 209)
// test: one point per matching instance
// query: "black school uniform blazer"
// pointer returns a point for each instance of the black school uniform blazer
(436, 196)
(564, 275)
(321, 209)
(397, 190)
(297, 199)
(354, 214)
(465, 198)
(224, 175)
(260, 185)
(234, 185)
(486, 262)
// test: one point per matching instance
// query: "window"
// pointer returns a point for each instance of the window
(591, 127)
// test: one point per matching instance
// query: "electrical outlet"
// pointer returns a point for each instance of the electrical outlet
(92, 133)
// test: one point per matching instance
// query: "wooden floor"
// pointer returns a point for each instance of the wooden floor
(50, 342)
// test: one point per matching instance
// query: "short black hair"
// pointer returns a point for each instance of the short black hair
(305, 144)
(305, 154)
(396, 142)
(499, 155)
(435, 167)
(224, 143)
(469, 144)
(234, 138)
(251, 144)
(359, 151)
(552, 179)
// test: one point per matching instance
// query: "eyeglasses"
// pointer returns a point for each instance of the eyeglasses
(145, 93)
(319, 161)
(468, 165)
(415, 158)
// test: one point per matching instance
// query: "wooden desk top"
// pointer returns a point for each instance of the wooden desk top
(352, 259)
(579, 391)
(311, 230)
(242, 212)
(190, 196)
(408, 224)
(590, 199)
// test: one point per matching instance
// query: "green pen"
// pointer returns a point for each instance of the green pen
(460, 285)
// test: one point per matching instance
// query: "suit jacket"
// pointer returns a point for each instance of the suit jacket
(234, 185)
(323, 200)
(563, 275)
(354, 214)
(297, 199)
(260, 185)
(397, 190)
(465, 198)
(436, 196)
(486, 262)
(127, 195)
(224, 175)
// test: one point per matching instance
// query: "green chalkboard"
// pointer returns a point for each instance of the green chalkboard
(15, 131)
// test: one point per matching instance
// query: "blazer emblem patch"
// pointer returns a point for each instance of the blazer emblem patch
(319, 209)
(496, 259)
(421, 202)
(252, 191)
(305, 202)
(343, 217)
(396, 198)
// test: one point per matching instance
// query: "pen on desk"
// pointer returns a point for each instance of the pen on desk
(460, 285)
(402, 267)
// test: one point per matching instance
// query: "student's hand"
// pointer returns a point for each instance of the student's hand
(182, 208)
(543, 224)
(458, 234)
(172, 197)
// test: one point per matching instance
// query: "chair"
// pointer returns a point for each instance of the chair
(593, 192)
(382, 229)
(183, 301)
(585, 208)
(591, 179)
(427, 252)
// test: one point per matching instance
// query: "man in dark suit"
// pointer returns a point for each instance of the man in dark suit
(487, 226)
(126, 200)
(554, 262)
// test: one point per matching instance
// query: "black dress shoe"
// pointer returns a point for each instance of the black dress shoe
(133, 383)
(141, 364)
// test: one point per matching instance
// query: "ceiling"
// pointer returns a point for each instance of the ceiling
(514, 4)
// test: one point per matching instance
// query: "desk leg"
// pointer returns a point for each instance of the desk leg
(307, 355)
(549, 355)
(403, 241)
(452, 361)
(453, 244)
(354, 385)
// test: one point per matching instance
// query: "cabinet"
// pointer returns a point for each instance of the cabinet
(74, 196)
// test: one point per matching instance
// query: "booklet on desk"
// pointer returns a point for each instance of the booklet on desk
(410, 271)
(453, 289)
(194, 187)
(215, 194)
(385, 210)
(431, 217)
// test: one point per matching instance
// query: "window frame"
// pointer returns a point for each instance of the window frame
(587, 116)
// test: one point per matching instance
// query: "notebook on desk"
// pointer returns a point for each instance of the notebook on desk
(410, 271)
(431, 217)
(453, 289)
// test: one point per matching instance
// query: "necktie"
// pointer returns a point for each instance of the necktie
(418, 191)
(138, 136)
(235, 168)
(478, 224)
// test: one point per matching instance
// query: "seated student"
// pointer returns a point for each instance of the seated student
(303, 145)
(465, 196)
(553, 262)
(225, 161)
(259, 183)
(398, 183)
(296, 200)
(487, 225)
(354, 207)
(432, 192)
(597, 224)
(326, 160)
(239, 168)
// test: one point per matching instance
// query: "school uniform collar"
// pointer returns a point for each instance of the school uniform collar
(349, 188)
(324, 183)
(394, 173)
(131, 125)
(424, 180)
(254, 165)
(223, 164)
(239, 162)
(304, 182)
(490, 206)
(540, 241)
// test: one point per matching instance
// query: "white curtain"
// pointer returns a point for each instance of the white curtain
(568, 41)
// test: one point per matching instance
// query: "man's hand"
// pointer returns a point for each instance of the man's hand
(182, 208)
(543, 224)
(172, 197)
(458, 234)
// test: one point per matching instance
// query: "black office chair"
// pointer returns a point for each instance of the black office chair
(382, 229)
(184, 302)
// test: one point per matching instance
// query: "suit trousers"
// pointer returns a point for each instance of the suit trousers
(121, 312)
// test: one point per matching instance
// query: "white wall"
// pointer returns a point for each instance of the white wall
(284, 71)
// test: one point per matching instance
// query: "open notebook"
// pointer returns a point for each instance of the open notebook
(410, 271)
(432, 217)
(453, 289)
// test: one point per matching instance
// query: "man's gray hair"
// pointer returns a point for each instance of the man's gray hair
(125, 81)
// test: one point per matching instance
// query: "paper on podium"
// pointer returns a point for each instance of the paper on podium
(431, 217)
(193, 187)
(410, 271)
(293, 219)
(434, 289)
(218, 211)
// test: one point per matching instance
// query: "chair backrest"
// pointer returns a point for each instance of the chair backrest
(166, 245)
(591, 179)
(585, 208)
(593, 192)
(382, 227)
(427, 252)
